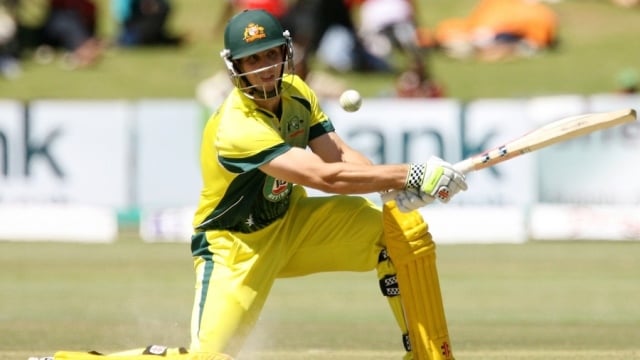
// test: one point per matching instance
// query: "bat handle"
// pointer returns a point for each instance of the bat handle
(465, 166)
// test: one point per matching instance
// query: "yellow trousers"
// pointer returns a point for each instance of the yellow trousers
(318, 234)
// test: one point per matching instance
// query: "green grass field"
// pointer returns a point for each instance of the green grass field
(597, 41)
(535, 301)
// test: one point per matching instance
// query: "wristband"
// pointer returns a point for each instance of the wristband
(415, 176)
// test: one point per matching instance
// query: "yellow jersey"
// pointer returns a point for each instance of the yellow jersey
(239, 138)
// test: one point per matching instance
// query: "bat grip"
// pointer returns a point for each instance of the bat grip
(465, 166)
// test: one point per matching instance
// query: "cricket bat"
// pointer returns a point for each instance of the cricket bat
(552, 133)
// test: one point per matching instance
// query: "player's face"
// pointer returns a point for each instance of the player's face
(263, 69)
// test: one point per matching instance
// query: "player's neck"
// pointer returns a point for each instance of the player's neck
(272, 104)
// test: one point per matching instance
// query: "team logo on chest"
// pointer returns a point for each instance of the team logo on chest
(276, 189)
(295, 126)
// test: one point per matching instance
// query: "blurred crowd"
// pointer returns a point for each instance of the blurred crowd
(367, 36)
(324, 30)
(344, 36)
(43, 27)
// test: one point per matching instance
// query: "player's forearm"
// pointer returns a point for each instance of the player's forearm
(354, 157)
(331, 149)
(349, 178)
(305, 168)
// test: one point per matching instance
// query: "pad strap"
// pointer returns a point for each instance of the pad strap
(406, 341)
(389, 286)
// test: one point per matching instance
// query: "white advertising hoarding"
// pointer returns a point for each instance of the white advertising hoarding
(485, 224)
(11, 125)
(58, 222)
(597, 168)
(610, 102)
(490, 123)
(400, 130)
(167, 152)
(66, 151)
(585, 222)
(144, 155)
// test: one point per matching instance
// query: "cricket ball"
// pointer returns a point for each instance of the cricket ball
(351, 100)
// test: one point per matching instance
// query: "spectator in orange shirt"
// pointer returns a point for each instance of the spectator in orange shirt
(497, 29)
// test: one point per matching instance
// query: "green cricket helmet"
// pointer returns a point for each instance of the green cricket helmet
(251, 32)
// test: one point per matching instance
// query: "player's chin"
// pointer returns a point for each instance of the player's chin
(268, 88)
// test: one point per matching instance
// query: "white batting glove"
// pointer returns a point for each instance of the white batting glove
(406, 200)
(436, 179)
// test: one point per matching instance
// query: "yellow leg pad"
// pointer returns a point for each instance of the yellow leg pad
(412, 251)
(136, 354)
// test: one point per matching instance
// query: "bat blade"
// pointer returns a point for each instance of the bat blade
(552, 133)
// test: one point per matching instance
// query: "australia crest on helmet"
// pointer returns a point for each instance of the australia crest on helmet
(253, 32)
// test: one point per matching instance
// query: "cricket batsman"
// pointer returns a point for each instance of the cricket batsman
(254, 222)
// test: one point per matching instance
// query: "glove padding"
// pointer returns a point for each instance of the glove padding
(406, 200)
(436, 179)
